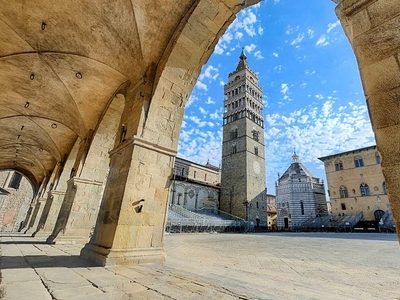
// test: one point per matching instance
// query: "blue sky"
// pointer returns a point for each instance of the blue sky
(313, 97)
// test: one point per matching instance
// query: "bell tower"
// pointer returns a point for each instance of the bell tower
(243, 151)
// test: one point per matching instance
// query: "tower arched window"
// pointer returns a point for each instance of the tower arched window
(364, 189)
(233, 149)
(256, 150)
(302, 207)
(338, 165)
(358, 161)
(234, 133)
(343, 192)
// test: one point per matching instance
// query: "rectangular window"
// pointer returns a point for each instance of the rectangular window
(359, 162)
(338, 166)
(256, 150)
(15, 181)
(343, 206)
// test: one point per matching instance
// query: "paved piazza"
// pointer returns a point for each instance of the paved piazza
(213, 266)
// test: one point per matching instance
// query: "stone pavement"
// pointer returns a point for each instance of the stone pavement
(212, 266)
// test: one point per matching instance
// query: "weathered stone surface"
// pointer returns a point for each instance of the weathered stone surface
(373, 28)
(212, 266)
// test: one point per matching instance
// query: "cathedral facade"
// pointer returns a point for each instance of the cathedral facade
(243, 154)
(300, 196)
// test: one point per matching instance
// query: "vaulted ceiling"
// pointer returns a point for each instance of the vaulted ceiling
(60, 64)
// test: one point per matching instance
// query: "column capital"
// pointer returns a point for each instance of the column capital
(138, 141)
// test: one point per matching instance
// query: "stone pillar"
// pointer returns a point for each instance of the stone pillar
(55, 197)
(28, 216)
(50, 213)
(77, 215)
(37, 211)
(373, 30)
(130, 224)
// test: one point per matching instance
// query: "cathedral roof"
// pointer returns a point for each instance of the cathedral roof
(242, 62)
(210, 166)
(296, 168)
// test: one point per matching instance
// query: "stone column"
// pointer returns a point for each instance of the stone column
(28, 216)
(130, 224)
(37, 211)
(373, 30)
(50, 213)
(78, 211)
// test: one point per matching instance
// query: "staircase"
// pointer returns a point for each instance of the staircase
(181, 219)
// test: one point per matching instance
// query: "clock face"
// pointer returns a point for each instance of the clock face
(256, 167)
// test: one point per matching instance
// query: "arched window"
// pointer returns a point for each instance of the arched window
(364, 189)
(338, 165)
(377, 158)
(378, 214)
(256, 150)
(233, 149)
(384, 187)
(234, 133)
(343, 192)
(358, 161)
(302, 207)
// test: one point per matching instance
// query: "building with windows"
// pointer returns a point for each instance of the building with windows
(356, 183)
(243, 154)
(195, 186)
(16, 194)
(300, 196)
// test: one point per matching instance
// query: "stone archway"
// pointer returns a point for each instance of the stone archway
(373, 31)
(157, 60)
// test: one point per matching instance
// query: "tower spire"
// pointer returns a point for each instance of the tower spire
(242, 62)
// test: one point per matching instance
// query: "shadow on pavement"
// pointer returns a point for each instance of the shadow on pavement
(43, 261)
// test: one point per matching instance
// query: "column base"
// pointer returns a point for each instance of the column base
(122, 257)
(66, 240)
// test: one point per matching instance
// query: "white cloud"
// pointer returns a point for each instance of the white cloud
(218, 49)
(238, 35)
(331, 26)
(201, 86)
(275, 54)
(210, 101)
(210, 72)
(310, 33)
(315, 131)
(260, 30)
(203, 111)
(249, 48)
(278, 68)
(290, 30)
(284, 88)
(303, 85)
(192, 98)
(298, 39)
(258, 55)
(215, 115)
(322, 41)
